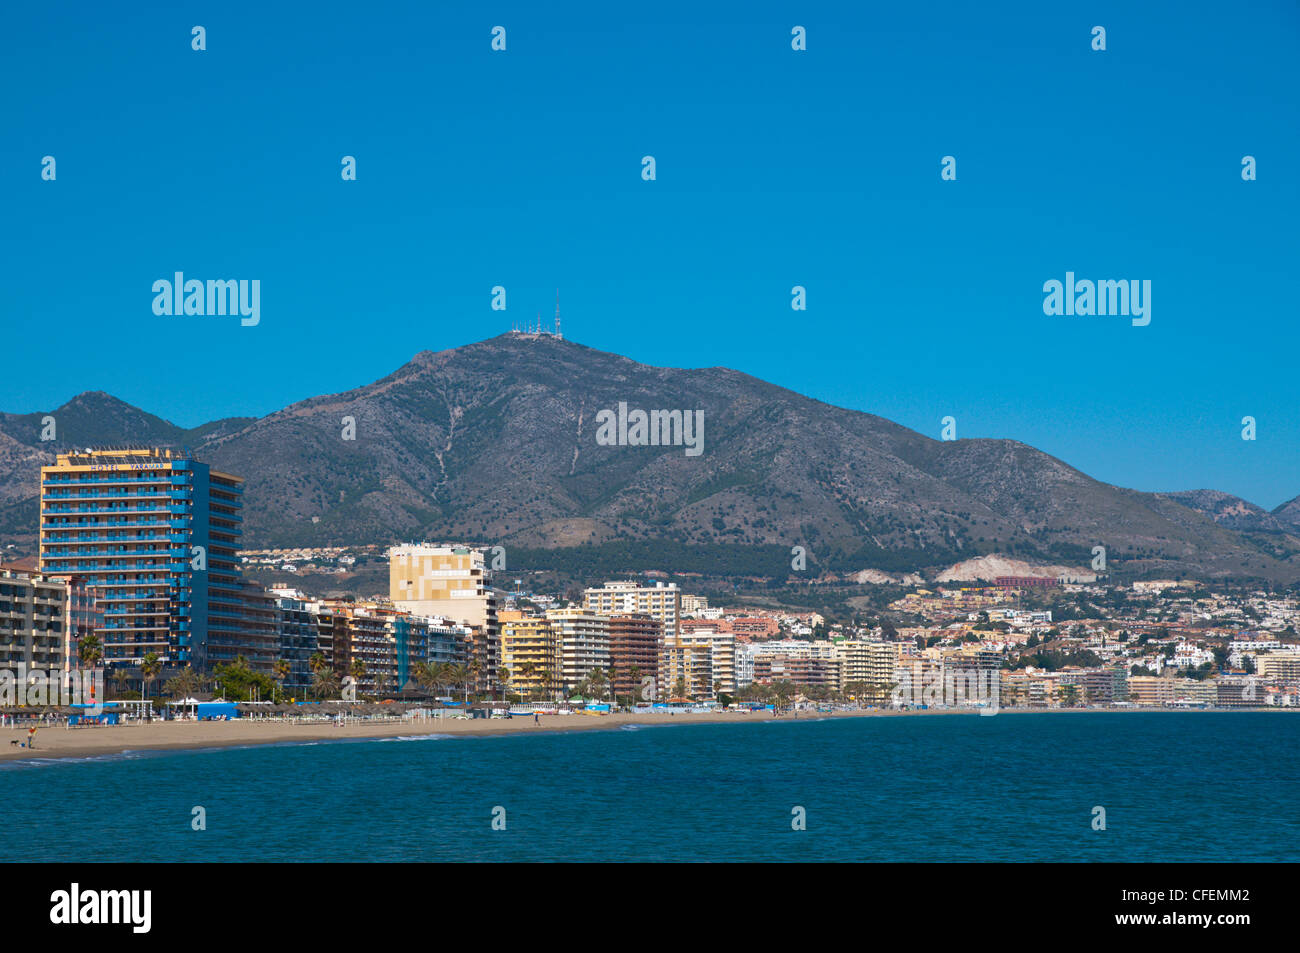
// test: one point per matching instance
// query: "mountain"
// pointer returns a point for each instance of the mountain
(1232, 511)
(496, 442)
(1288, 514)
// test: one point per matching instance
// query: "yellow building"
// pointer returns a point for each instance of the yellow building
(1279, 666)
(1157, 691)
(870, 664)
(703, 651)
(530, 655)
(687, 665)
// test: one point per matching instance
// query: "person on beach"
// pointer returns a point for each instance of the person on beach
(536, 720)
(31, 737)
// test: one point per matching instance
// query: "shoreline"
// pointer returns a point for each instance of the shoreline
(58, 743)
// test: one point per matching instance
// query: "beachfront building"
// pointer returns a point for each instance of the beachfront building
(1239, 691)
(686, 669)
(296, 629)
(867, 667)
(721, 652)
(530, 655)
(744, 665)
(635, 645)
(1281, 667)
(818, 663)
(363, 645)
(583, 639)
(799, 669)
(154, 533)
(82, 617)
(255, 634)
(33, 620)
(449, 642)
(329, 624)
(1098, 686)
(1161, 691)
(660, 601)
(451, 582)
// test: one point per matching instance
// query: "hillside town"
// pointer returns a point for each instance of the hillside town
(141, 574)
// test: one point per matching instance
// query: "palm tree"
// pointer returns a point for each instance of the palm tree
(460, 675)
(595, 682)
(185, 683)
(426, 673)
(324, 682)
(357, 670)
(545, 685)
(149, 670)
(476, 676)
(527, 670)
(120, 677)
(91, 651)
(281, 668)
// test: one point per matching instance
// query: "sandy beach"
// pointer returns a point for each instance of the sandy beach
(60, 742)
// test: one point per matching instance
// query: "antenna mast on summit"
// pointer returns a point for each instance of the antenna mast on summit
(557, 314)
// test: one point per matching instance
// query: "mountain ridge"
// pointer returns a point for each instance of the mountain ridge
(495, 441)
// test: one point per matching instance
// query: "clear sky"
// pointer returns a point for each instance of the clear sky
(775, 168)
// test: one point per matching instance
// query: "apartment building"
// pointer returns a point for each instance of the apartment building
(744, 665)
(754, 626)
(1158, 691)
(635, 646)
(33, 620)
(364, 646)
(870, 665)
(692, 604)
(583, 639)
(802, 670)
(1281, 667)
(1098, 686)
(451, 582)
(686, 669)
(154, 533)
(297, 637)
(721, 650)
(530, 655)
(254, 634)
(662, 601)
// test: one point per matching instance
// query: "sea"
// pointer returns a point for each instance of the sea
(1087, 786)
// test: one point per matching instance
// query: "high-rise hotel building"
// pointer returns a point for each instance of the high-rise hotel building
(154, 535)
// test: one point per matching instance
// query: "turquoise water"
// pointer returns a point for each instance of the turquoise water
(1177, 786)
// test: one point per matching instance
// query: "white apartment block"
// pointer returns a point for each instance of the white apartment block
(660, 601)
(583, 641)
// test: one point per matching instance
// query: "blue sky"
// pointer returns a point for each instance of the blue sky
(775, 168)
